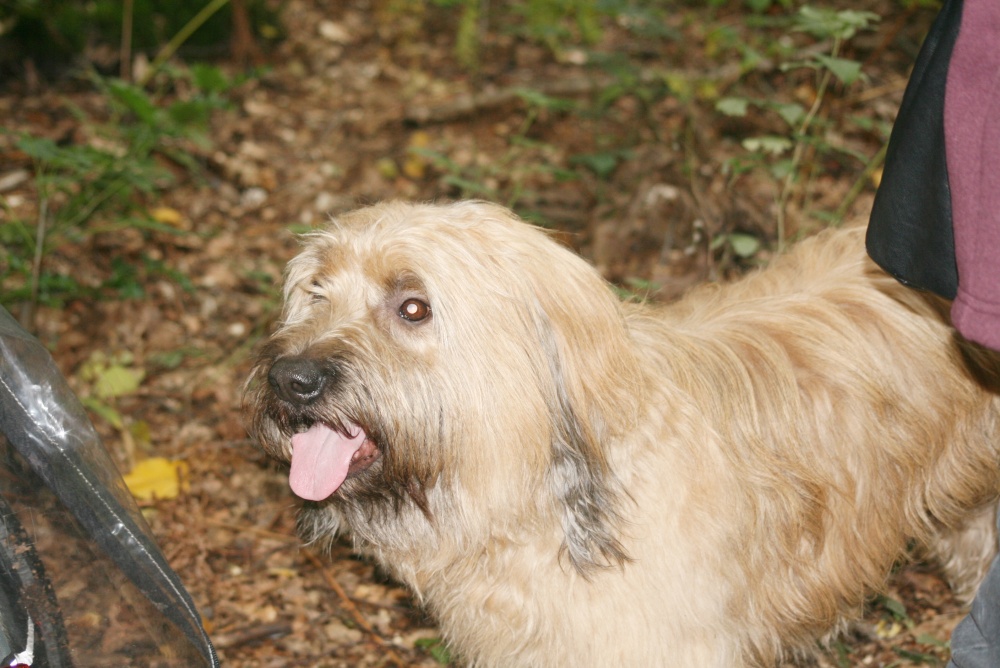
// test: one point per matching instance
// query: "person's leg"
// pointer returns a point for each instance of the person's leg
(975, 642)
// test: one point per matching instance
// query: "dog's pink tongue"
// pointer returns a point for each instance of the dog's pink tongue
(321, 458)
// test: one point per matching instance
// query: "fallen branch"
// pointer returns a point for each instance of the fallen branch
(465, 105)
(471, 104)
(352, 609)
(250, 634)
(257, 531)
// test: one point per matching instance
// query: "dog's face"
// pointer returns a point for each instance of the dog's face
(446, 356)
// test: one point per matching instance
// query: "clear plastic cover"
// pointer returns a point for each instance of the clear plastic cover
(82, 582)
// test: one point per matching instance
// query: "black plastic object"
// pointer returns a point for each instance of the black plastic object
(116, 599)
(27, 601)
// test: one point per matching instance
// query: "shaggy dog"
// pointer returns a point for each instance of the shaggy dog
(567, 480)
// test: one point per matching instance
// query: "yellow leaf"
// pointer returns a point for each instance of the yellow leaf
(141, 432)
(707, 90)
(283, 573)
(420, 139)
(413, 167)
(387, 168)
(876, 177)
(679, 85)
(167, 216)
(157, 478)
(887, 630)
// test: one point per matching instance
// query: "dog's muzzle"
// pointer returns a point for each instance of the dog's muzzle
(300, 380)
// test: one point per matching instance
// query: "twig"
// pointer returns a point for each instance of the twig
(471, 104)
(859, 183)
(800, 146)
(263, 533)
(182, 35)
(244, 46)
(348, 605)
(28, 310)
(125, 54)
(890, 36)
(249, 634)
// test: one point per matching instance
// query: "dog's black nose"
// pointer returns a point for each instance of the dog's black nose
(299, 380)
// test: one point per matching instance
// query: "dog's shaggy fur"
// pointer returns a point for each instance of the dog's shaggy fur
(567, 480)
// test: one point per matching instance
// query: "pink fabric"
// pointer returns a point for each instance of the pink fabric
(972, 140)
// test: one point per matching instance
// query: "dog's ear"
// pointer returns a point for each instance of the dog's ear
(594, 400)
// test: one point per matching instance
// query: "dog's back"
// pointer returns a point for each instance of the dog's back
(842, 418)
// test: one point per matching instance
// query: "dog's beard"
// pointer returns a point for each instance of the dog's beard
(341, 451)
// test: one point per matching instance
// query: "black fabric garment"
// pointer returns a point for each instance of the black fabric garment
(911, 236)
(910, 231)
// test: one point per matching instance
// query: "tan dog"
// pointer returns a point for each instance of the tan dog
(567, 480)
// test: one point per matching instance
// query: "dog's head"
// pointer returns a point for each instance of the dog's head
(455, 358)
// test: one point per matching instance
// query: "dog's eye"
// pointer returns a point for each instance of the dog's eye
(414, 310)
(316, 294)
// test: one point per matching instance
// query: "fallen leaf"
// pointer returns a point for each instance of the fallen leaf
(876, 177)
(887, 630)
(283, 573)
(167, 216)
(111, 377)
(157, 478)
(117, 381)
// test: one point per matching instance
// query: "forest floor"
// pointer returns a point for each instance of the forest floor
(621, 145)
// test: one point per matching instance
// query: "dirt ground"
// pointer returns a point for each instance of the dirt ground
(365, 101)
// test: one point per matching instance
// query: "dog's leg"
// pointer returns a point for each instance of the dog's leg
(965, 552)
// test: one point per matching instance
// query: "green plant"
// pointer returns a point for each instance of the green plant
(107, 379)
(51, 32)
(559, 25)
(636, 290)
(507, 178)
(104, 185)
(735, 245)
(755, 5)
(558, 22)
(843, 655)
(783, 155)
(897, 611)
(437, 648)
